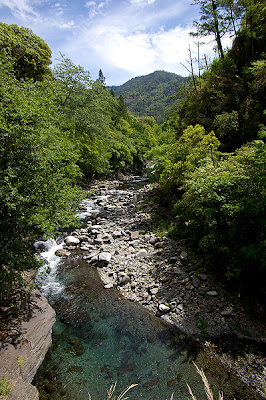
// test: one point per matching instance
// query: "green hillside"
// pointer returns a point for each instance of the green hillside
(150, 94)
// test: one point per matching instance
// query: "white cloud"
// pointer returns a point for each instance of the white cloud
(21, 9)
(96, 9)
(133, 53)
(123, 38)
(142, 3)
(90, 4)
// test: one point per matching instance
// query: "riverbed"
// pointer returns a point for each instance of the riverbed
(133, 318)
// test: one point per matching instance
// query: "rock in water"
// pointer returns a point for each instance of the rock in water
(62, 253)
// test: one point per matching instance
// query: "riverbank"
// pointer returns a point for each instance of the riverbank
(164, 276)
(23, 348)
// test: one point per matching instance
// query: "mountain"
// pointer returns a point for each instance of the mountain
(150, 94)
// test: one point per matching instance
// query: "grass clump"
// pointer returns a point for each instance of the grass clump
(207, 388)
(5, 387)
(110, 393)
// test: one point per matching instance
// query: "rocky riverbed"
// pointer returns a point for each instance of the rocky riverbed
(166, 278)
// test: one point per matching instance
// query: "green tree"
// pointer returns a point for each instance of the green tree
(186, 154)
(212, 22)
(224, 204)
(101, 78)
(29, 55)
(38, 173)
(87, 107)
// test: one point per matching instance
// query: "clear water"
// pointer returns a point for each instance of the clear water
(101, 338)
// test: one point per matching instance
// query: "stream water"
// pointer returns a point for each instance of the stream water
(101, 338)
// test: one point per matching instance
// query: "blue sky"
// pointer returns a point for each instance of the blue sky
(124, 38)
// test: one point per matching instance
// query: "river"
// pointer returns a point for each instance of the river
(101, 338)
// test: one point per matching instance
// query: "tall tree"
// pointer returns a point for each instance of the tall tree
(212, 22)
(101, 78)
(233, 13)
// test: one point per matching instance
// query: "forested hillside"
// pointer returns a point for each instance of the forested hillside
(211, 156)
(59, 129)
(151, 95)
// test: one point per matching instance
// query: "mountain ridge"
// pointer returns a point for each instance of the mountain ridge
(150, 95)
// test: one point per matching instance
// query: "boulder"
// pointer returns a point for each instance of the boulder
(104, 259)
(108, 286)
(36, 337)
(134, 235)
(142, 253)
(177, 271)
(212, 293)
(154, 290)
(202, 277)
(227, 312)
(72, 241)
(94, 214)
(195, 281)
(164, 308)
(183, 256)
(123, 278)
(117, 234)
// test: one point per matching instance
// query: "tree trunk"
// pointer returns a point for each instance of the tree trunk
(217, 30)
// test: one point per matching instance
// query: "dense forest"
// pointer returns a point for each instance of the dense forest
(151, 95)
(60, 129)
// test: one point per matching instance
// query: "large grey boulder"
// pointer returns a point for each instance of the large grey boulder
(123, 278)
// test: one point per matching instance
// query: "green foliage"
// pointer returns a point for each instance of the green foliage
(151, 95)
(20, 361)
(186, 154)
(108, 138)
(202, 325)
(229, 97)
(38, 168)
(28, 54)
(6, 388)
(226, 204)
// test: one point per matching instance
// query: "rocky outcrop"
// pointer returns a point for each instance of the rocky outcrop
(19, 362)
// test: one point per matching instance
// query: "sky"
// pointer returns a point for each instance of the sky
(123, 38)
